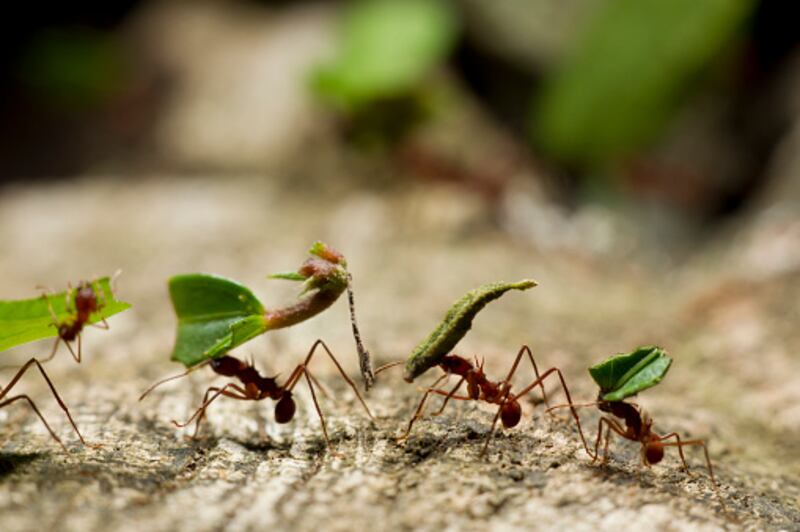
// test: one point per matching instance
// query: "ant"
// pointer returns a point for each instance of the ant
(255, 387)
(86, 303)
(639, 428)
(7, 401)
(480, 388)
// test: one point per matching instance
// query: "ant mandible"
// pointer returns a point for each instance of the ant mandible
(480, 388)
(255, 387)
(4, 401)
(86, 303)
(639, 428)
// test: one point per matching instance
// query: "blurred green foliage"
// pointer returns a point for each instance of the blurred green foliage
(387, 48)
(627, 73)
(72, 67)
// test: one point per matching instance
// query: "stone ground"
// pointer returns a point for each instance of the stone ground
(727, 313)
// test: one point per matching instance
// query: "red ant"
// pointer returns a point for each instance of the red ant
(4, 402)
(255, 387)
(639, 428)
(86, 303)
(480, 388)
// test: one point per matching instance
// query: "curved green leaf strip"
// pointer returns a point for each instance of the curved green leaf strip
(627, 374)
(215, 315)
(455, 325)
(26, 320)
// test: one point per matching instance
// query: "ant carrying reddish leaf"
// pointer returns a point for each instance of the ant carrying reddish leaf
(5, 400)
(254, 387)
(481, 388)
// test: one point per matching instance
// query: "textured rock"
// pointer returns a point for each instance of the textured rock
(735, 379)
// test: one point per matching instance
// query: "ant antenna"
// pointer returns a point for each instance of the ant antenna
(172, 378)
(388, 366)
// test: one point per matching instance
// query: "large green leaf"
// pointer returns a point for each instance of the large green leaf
(215, 315)
(387, 47)
(626, 76)
(26, 320)
(457, 322)
(627, 374)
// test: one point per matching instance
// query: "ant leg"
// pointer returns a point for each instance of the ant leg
(105, 326)
(449, 396)
(304, 371)
(682, 443)
(319, 343)
(388, 366)
(38, 413)
(18, 376)
(172, 378)
(421, 407)
(574, 412)
(77, 356)
(505, 391)
(680, 449)
(200, 412)
(536, 372)
(610, 425)
(52, 351)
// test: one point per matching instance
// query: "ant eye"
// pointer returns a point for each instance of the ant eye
(284, 410)
(511, 414)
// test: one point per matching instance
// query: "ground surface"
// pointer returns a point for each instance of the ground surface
(727, 314)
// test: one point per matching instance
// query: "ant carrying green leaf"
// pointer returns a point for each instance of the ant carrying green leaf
(216, 315)
(620, 377)
(436, 350)
(63, 315)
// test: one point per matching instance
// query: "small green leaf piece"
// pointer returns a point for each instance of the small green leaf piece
(455, 325)
(627, 374)
(287, 276)
(215, 315)
(26, 320)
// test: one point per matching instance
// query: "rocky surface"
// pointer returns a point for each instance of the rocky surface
(727, 313)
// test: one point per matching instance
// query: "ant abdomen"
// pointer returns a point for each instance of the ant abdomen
(654, 452)
(284, 410)
(511, 414)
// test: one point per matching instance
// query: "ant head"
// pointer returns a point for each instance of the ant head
(225, 365)
(284, 410)
(511, 413)
(456, 365)
(653, 451)
(85, 298)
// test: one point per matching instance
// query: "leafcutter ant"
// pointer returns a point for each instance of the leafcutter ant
(481, 388)
(639, 428)
(254, 387)
(5, 400)
(86, 302)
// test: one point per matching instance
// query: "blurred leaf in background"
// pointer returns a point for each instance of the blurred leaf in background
(626, 76)
(387, 49)
(72, 67)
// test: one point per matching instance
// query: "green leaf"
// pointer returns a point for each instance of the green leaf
(627, 74)
(215, 315)
(455, 325)
(627, 374)
(288, 276)
(387, 47)
(26, 320)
